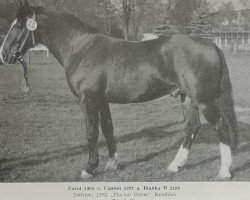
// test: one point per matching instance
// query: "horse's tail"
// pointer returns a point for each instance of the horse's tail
(226, 104)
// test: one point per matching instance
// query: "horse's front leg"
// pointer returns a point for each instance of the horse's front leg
(192, 127)
(91, 120)
(108, 132)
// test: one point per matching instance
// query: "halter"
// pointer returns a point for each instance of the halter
(31, 25)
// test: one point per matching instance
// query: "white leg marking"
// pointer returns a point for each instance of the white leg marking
(112, 163)
(226, 161)
(85, 175)
(180, 159)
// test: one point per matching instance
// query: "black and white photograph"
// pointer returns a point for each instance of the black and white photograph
(124, 91)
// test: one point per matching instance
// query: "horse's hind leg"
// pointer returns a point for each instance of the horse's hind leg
(213, 115)
(192, 127)
(91, 120)
(108, 132)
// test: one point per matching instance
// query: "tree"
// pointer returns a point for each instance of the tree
(245, 3)
(129, 14)
(8, 9)
(154, 15)
(137, 16)
(106, 12)
(166, 29)
(225, 17)
(200, 22)
(181, 12)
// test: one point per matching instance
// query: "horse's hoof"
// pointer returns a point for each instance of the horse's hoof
(223, 177)
(112, 164)
(86, 175)
(173, 168)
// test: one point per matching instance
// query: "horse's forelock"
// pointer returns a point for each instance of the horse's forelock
(28, 11)
(24, 12)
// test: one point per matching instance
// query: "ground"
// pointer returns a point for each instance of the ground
(41, 135)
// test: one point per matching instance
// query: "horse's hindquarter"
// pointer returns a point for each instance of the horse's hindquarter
(133, 74)
(197, 66)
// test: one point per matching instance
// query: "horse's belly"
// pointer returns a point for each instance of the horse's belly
(137, 92)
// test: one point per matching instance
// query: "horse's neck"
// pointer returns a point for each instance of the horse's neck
(62, 39)
(62, 48)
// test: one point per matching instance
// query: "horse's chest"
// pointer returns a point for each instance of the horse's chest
(84, 81)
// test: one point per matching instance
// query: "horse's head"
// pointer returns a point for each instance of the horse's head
(20, 36)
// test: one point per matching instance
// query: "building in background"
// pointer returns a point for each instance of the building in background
(231, 30)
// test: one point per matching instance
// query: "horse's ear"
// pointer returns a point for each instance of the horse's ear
(21, 3)
(26, 3)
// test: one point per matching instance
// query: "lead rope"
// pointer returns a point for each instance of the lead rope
(26, 87)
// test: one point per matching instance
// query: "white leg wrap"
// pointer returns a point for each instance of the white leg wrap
(112, 163)
(180, 159)
(226, 161)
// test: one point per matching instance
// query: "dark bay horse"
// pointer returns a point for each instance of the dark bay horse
(102, 70)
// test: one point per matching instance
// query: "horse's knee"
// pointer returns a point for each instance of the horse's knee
(192, 123)
(92, 138)
(108, 128)
(106, 120)
(91, 122)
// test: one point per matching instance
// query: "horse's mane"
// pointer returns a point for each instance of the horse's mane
(76, 22)
(73, 21)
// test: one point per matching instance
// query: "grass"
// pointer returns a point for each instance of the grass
(41, 135)
(239, 73)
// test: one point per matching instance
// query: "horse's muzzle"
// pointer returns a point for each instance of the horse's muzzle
(12, 60)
